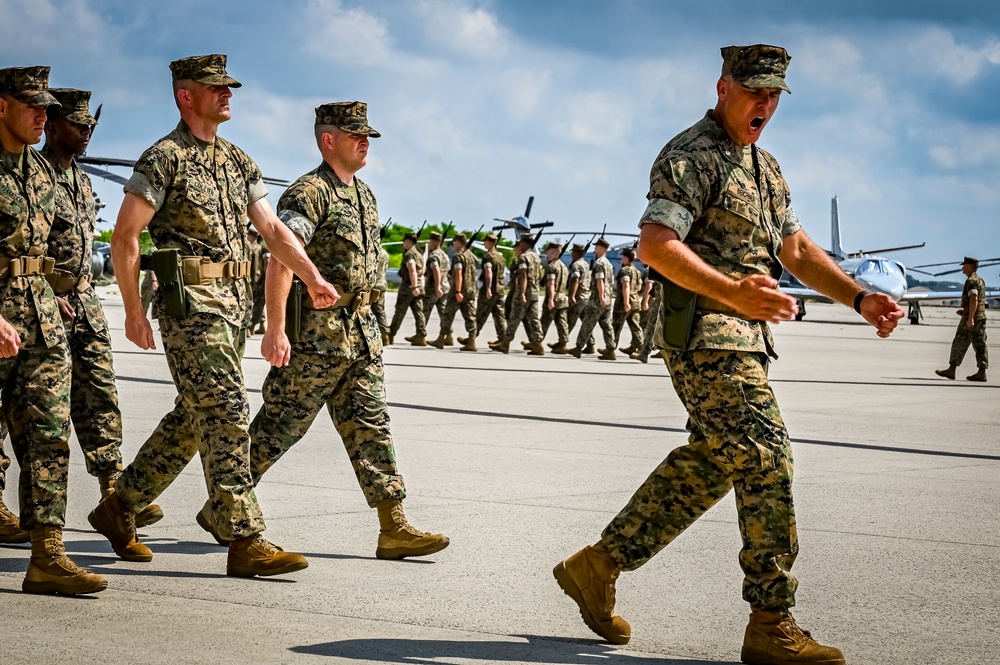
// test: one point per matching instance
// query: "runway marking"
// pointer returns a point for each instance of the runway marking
(632, 426)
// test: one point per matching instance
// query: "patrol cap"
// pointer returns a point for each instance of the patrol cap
(74, 105)
(460, 237)
(526, 238)
(207, 69)
(351, 117)
(970, 261)
(435, 235)
(579, 249)
(757, 66)
(552, 244)
(29, 85)
(603, 242)
(411, 236)
(492, 237)
(629, 252)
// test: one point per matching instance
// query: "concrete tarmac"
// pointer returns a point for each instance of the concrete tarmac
(522, 461)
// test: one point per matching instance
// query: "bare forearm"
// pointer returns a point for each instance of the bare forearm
(283, 244)
(662, 250)
(133, 216)
(812, 266)
(458, 282)
(277, 284)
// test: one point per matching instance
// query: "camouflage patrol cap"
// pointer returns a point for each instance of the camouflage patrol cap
(207, 69)
(552, 244)
(579, 249)
(603, 242)
(460, 237)
(351, 117)
(435, 235)
(526, 238)
(492, 237)
(29, 85)
(411, 236)
(970, 261)
(74, 105)
(757, 66)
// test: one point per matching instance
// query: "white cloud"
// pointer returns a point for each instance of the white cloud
(346, 36)
(936, 51)
(464, 30)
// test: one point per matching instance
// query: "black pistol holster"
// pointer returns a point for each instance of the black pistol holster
(167, 267)
(293, 310)
(677, 306)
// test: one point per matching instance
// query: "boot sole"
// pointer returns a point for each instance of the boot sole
(755, 657)
(149, 517)
(203, 523)
(28, 586)
(570, 588)
(397, 554)
(123, 555)
(239, 571)
(15, 540)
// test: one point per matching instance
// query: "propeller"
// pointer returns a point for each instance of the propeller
(527, 210)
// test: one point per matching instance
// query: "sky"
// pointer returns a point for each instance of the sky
(483, 103)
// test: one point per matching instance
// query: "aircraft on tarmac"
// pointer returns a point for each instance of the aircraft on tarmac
(875, 273)
(520, 223)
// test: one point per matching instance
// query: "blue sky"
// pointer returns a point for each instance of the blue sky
(484, 103)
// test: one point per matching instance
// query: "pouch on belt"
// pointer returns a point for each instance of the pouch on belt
(677, 306)
(167, 267)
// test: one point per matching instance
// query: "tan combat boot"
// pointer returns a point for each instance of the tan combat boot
(576, 352)
(525, 344)
(461, 340)
(418, 340)
(439, 342)
(254, 555)
(493, 343)
(978, 376)
(386, 340)
(773, 638)
(641, 356)
(468, 344)
(502, 346)
(113, 520)
(589, 349)
(10, 526)
(946, 373)
(449, 340)
(409, 338)
(560, 348)
(398, 540)
(588, 577)
(607, 354)
(536, 349)
(51, 571)
(628, 350)
(151, 514)
(391, 338)
(206, 520)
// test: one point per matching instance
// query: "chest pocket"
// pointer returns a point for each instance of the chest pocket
(348, 226)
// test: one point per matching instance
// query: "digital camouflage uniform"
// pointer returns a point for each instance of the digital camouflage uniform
(258, 273)
(94, 395)
(466, 262)
(702, 185)
(619, 316)
(579, 270)
(650, 317)
(530, 265)
(556, 273)
(405, 298)
(596, 314)
(34, 384)
(975, 335)
(201, 193)
(378, 305)
(337, 360)
(439, 258)
(492, 306)
(146, 290)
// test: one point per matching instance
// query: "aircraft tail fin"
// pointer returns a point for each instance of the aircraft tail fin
(836, 248)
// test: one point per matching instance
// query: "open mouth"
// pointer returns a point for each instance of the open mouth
(757, 123)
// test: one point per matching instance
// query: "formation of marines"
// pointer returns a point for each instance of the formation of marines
(718, 220)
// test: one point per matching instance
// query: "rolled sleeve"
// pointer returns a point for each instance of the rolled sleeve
(299, 224)
(256, 191)
(669, 214)
(790, 224)
(140, 186)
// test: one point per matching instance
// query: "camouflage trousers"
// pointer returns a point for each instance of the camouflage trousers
(593, 315)
(407, 301)
(257, 313)
(650, 317)
(210, 417)
(976, 336)
(35, 397)
(378, 309)
(560, 315)
(492, 307)
(353, 392)
(452, 307)
(432, 303)
(96, 417)
(738, 441)
(618, 320)
(575, 313)
(526, 312)
(146, 290)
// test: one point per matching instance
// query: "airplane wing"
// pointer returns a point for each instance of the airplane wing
(102, 173)
(804, 293)
(922, 296)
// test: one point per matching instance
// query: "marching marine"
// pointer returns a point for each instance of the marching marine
(378, 305)
(628, 304)
(555, 301)
(578, 291)
(436, 274)
(491, 290)
(409, 296)
(462, 296)
(598, 309)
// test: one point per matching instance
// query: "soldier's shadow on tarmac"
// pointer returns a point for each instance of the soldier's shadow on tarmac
(542, 650)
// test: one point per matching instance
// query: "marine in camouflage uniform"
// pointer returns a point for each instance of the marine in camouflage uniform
(555, 307)
(35, 372)
(598, 313)
(578, 289)
(258, 270)
(719, 213)
(524, 298)
(336, 361)
(378, 305)
(628, 281)
(409, 296)
(437, 274)
(146, 289)
(491, 289)
(197, 194)
(652, 294)
(462, 296)
(972, 327)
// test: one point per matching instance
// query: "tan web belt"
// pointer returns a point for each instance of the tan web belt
(710, 305)
(26, 265)
(356, 300)
(63, 282)
(199, 271)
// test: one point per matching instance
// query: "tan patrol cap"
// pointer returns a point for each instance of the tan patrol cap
(29, 85)
(351, 117)
(74, 105)
(603, 242)
(492, 237)
(757, 66)
(207, 69)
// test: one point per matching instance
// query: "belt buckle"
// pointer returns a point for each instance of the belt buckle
(360, 300)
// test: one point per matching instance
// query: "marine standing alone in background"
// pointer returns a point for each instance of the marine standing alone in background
(718, 220)
(972, 327)
(409, 296)
(628, 304)
(195, 191)
(35, 370)
(336, 359)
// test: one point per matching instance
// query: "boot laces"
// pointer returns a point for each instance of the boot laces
(265, 546)
(792, 630)
(6, 513)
